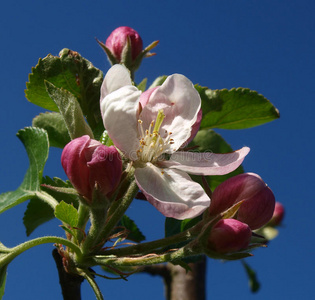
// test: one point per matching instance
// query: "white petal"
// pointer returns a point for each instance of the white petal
(120, 119)
(172, 192)
(206, 163)
(180, 102)
(117, 76)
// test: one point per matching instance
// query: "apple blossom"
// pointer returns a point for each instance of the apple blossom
(90, 165)
(229, 235)
(149, 131)
(259, 201)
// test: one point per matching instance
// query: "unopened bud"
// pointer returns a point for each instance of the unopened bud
(229, 235)
(258, 200)
(118, 41)
(91, 166)
(278, 215)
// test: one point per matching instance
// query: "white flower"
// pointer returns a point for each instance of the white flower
(150, 130)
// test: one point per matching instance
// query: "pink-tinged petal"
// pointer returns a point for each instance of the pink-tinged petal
(180, 102)
(120, 119)
(172, 192)
(206, 163)
(117, 76)
(194, 129)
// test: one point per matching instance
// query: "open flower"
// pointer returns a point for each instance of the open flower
(149, 131)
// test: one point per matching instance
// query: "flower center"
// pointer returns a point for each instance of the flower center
(152, 145)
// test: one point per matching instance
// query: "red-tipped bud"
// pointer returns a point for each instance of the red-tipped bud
(278, 215)
(91, 166)
(259, 201)
(118, 40)
(229, 235)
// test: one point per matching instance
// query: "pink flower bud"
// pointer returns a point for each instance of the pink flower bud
(117, 41)
(89, 165)
(229, 235)
(278, 215)
(259, 201)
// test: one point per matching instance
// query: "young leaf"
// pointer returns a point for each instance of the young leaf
(253, 282)
(67, 214)
(55, 126)
(73, 73)
(35, 141)
(70, 110)
(209, 141)
(134, 232)
(234, 109)
(36, 214)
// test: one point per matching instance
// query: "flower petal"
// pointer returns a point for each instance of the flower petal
(172, 192)
(206, 163)
(116, 77)
(120, 119)
(180, 102)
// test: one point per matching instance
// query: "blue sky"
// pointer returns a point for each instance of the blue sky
(267, 46)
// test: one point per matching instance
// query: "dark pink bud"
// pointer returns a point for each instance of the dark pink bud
(229, 235)
(278, 215)
(89, 165)
(117, 41)
(259, 201)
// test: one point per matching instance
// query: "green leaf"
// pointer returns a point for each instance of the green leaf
(134, 232)
(36, 214)
(36, 143)
(73, 73)
(70, 110)
(252, 277)
(207, 140)
(55, 126)
(142, 85)
(67, 214)
(234, 109)
(158, 81)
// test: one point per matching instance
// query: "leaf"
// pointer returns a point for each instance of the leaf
(73, 73)
(158, 81)
(252, 277)
(142, 85)
(55, 126)
(35, 141)
(209, 141)
(36, 214)
(134, 232)
(70, 110)
(3, 279)
(67, 214)
(234, 109)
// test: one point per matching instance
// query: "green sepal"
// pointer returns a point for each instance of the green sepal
(238, 108)
(142, 85)
(158, 81)
(55, 126)
(70, 110)
(35, 141)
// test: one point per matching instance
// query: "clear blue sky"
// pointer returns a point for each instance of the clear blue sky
(267, 46)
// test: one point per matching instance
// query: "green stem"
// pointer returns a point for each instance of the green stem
(118, 209)
(149, 247)
(83, 213)
(14, 252)
(51, 201)
(189, 250)
(89, 278)
(98, 219)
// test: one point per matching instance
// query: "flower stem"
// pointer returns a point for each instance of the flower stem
(51, 201)
(149, 247)
(118, 209)
(14, 252)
